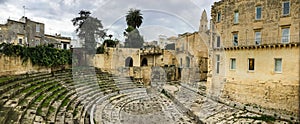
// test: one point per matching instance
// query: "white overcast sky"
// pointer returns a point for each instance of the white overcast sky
(166, 17)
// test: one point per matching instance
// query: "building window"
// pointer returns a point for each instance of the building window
(218, 41)
(251, 64)
(278, 65)
(258, 13)
(236, 17)
(181, 62)
(257, 37)
(219, 17)
(232, 63)
(235, 39)
(285, 35)
(20, 41)
(187, 62)
(217, 64)
(37, 27)
(286, 8)
(65, 46)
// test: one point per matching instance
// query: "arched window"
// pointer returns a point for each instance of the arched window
(187, 59)
(144, 62)
(128, 62)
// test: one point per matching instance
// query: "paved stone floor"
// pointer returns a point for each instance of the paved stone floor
(210, 111)
(149, 106)
(160, 111)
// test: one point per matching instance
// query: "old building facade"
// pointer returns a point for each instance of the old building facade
(187, 63)
(30, 33)
(192, 52)
(22, 32)
(59, 41)
(254, 54)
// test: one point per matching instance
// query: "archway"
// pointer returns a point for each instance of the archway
(144, 62)
(128, 62)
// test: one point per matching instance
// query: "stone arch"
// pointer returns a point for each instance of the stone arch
(129, 62)
(144, 62)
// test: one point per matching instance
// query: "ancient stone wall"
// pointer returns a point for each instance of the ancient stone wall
(263, 86)
(14, 66)
(191, 54)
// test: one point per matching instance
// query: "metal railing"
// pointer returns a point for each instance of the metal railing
(260, 41)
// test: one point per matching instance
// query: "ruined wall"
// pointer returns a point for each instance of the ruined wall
(146, 74)
(99, 61)
(153, 60)
(113, 59)
(14, 66)
(169, 58)
(192, 53)
(197, 44)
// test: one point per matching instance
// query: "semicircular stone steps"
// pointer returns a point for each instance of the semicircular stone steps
(65, 96)
(80, 95)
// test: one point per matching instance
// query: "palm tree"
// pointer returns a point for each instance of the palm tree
(134, 18)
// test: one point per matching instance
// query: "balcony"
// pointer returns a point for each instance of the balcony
(265, 41)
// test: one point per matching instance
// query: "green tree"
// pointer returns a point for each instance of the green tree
(134, 18)
(108, 43)
(88, 28)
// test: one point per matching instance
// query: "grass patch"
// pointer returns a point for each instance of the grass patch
(75, 112)
(23, 101)
(41, 88)
(39, 112)
(65, 102)
(46, 102)
(51, 109)
(62, 97)
(40, 98)
(3, 79)
(262, 118)
(49, 98)
(28, 89)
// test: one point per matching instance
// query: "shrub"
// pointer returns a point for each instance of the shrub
(40, 55)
